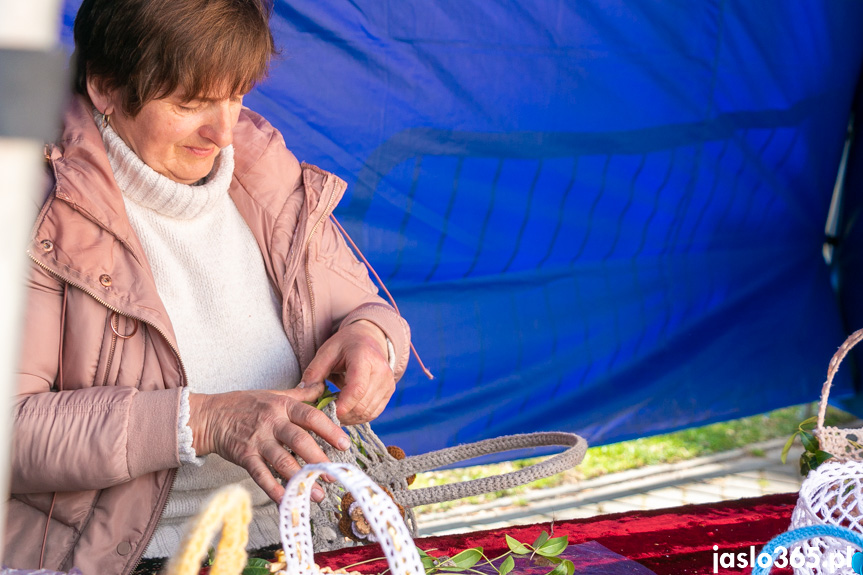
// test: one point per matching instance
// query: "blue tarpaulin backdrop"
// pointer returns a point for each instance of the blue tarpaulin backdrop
(598, 216)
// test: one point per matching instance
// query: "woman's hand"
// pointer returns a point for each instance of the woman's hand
(355, 359)
(251, 429)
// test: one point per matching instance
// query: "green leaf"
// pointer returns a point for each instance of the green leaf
(561, 569)
(516, 547)
(570, 567)
(805, 463)
(822, 456)
(810, 443)
(466, 559)
(543, 537)
(211, 555)
(426, 559)
(787, 447)
(507, 565)
(553, 547)
(257, 566)
(808, 423)
(848, 489)
(326, 401)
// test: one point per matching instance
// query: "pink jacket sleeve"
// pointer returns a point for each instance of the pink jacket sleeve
(355, 297)
(80, 438)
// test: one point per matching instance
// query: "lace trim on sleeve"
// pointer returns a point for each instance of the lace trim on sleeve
(391, 355)
(184, 433)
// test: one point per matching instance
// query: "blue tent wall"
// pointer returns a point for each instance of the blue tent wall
(848, 262)
(604, 217)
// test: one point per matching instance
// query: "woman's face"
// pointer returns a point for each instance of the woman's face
(178, 139)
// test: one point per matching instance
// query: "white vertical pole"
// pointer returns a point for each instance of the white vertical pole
(24, 25)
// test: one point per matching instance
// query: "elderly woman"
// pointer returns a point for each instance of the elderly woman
(188, 295)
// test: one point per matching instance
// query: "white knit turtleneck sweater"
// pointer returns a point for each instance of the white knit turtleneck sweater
(210, 275)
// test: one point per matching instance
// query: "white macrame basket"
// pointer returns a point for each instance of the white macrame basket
(832, 494)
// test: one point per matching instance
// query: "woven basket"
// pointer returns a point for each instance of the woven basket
(832, 494)
(843, 444)
(332, 529)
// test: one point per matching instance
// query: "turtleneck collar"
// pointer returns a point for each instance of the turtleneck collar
(150, 189)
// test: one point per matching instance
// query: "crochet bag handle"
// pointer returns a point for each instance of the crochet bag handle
(832, 368)
(379, 510)
(230, 508)
(385, 470)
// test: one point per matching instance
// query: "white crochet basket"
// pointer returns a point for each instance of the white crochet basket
(832, 494)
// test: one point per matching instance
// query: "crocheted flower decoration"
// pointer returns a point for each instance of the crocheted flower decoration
(399, 453)
(353, 523)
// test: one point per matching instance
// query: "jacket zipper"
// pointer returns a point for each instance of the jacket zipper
(161, 512)
(113, 348)
(308, 276)
(164, 504)
(48, 152)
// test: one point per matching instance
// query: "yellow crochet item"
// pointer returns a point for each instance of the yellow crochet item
(229, 508)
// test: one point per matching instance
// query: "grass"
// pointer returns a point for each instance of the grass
(667, 448)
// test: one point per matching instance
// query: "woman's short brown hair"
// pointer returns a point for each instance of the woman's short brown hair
(149, 49)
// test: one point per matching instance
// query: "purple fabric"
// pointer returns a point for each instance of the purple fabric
(589, 558)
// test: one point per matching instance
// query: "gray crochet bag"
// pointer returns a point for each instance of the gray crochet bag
(338, 522)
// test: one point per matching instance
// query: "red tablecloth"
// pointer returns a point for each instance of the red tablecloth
(675, 541)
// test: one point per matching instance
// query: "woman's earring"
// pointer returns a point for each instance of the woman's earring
(105, 119)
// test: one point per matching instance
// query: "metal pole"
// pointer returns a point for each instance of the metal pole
(31, 28)
(831, 228)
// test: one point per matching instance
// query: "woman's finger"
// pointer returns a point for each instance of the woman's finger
(309, 391)
(307, 418)
(310, 419)
(338, 379)
(301, 443)
(372, 393)
(261, 474)
(386, 387)
(355, 395)
(280, 459)
(324, 363)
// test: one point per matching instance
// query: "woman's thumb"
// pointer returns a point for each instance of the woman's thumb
(309, 391)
